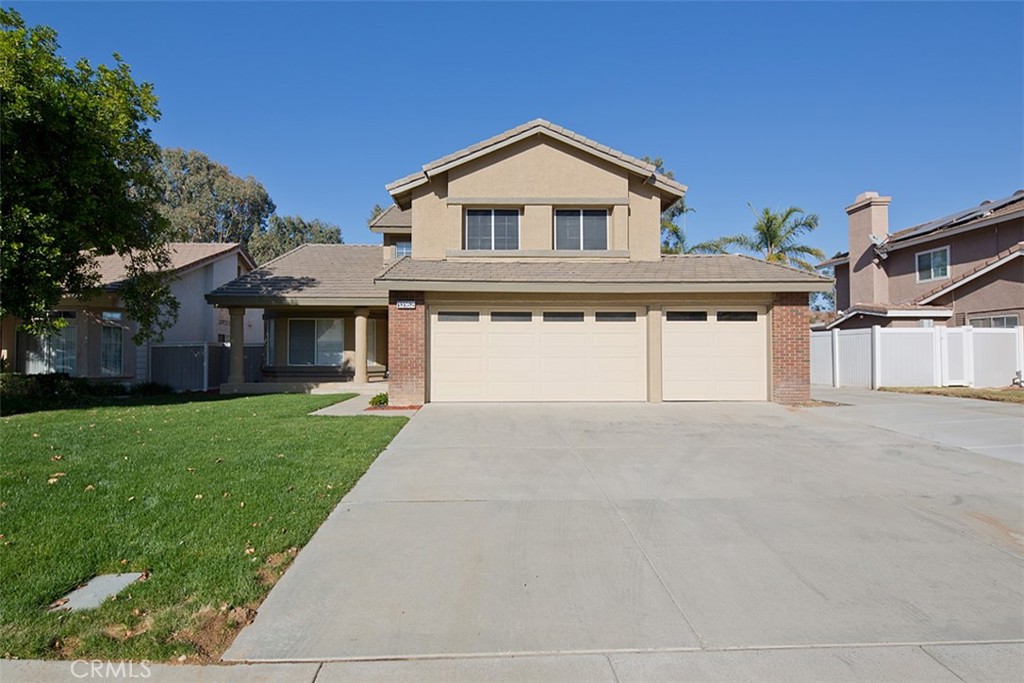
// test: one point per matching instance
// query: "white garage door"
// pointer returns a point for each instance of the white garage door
(715, 354)
(538, 354)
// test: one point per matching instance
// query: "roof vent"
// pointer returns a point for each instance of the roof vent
(1018, 193)
(987, 201)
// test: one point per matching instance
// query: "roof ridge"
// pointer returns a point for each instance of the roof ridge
(383, 213)
(779, 265)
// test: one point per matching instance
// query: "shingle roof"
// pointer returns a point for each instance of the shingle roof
(312, 272)
(113, 269)
(393, 217)
(639, 165)
(702, 269)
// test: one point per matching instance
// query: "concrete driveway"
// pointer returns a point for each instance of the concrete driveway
(618, 528)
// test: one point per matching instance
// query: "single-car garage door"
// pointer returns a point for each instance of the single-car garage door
(538, 354)
(715, 354)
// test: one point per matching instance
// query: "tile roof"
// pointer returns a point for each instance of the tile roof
(113, 269)
(393, 217)
(639, 165)
(702, 268)
(311, 272)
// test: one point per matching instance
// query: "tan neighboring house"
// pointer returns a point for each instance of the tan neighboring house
(97, 340)
(527, 267)
(963, 269)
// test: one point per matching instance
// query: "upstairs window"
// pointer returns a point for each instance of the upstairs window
(933, 265)
(492, 229)
(403, 249)
(577, 229)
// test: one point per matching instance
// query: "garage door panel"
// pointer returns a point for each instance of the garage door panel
(710, 359)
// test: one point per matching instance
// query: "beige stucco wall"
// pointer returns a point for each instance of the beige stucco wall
(537, 176)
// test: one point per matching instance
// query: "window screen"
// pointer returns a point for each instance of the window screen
(737, 316)
(478, 229)
(492, 229)
(511, 316)
(687, 316)
(577, 229)
(329, 342)
(615, 316)
(458, 316)
(563, 317)
(301, 342)
(933, 265)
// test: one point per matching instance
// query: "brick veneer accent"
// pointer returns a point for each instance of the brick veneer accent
(791, 348)
(407, 350)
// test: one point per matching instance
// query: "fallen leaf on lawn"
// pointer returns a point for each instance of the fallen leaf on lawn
(35, 436)
(242, 504)
(131, 498)
(190, 470)
(124, 561)
(58, 474)
(250, 551)
(90, 487)
(57, 603)
(52, 480)
(280, 455)
(57, 457)
(199, 496)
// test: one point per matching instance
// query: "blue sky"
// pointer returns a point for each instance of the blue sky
(775, 104)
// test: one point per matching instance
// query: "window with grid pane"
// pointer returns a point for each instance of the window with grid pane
(492, 229)
(111, 351)
(577, 229)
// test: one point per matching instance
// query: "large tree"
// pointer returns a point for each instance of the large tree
(78, 167)
(205, 202)
(673, 235)
(776, 237)
(288, 232)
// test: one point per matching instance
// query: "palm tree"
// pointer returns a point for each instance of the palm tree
(673, 235)
(776, 237)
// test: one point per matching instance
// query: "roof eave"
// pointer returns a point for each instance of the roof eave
(601, 287)
(260, 301)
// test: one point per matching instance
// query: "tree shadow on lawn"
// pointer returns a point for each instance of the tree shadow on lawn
(23, 405)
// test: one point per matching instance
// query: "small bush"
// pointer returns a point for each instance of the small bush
(151, 389)
(380, 399)
(30, 393)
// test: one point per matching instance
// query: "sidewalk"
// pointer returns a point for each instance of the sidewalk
(358, 405)
(989, 663)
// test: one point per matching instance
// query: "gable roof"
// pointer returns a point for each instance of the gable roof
(113, 270)
(393, 219)
(534, 127)
(912, 311)
(310, 275)
(696, 272)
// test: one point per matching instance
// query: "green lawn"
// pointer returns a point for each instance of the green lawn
(209, 496)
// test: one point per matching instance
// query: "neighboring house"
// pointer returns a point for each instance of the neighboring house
(963, 269)
(528, 268)
(97, 341)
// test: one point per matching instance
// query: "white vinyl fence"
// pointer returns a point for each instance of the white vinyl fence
(917, 357)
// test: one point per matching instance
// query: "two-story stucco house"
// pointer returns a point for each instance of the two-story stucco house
(97, 341)
(962, 269)
(527, 267)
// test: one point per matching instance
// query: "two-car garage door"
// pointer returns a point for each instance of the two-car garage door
(531, 354)
(596, 354)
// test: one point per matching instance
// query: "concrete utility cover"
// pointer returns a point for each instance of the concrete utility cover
(92, 594)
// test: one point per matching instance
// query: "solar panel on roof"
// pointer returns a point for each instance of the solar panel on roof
(961, 216)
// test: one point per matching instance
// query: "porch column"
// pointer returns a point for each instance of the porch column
(361, 315)
(237, 367)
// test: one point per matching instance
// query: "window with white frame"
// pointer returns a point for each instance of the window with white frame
(316, 342)
(111, 349)
(994, 321)
(492, 229)
(933, 265)
(57, 352)
(581, 229)
(403, 249)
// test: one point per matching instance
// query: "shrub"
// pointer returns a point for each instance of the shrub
(29, 393)
(380, 399)
(151, 389)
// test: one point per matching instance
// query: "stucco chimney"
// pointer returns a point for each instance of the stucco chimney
(869, 217)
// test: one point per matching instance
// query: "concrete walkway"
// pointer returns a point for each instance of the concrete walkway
(987, 427)
(983, 663)
(360, 405)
